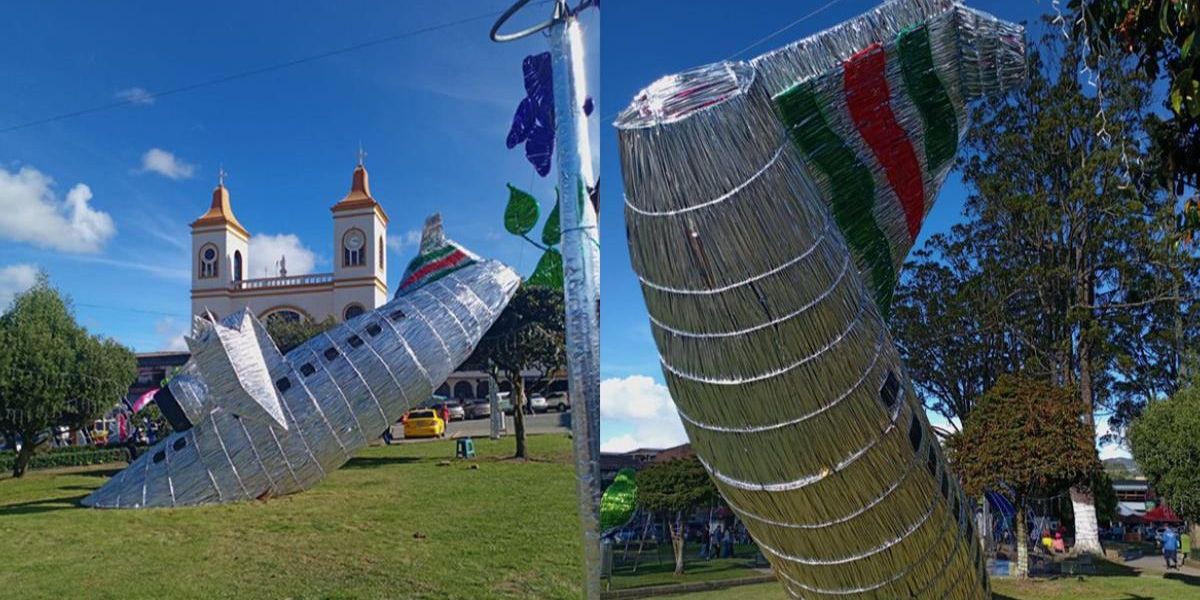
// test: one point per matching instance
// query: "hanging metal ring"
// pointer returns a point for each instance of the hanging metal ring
(560, 11)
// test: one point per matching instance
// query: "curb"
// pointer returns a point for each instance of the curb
(682, 588)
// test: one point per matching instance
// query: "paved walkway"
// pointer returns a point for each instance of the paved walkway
(1155, 564)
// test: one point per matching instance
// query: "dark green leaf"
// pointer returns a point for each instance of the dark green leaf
(549, 271)
(521, 214)
(551, 232)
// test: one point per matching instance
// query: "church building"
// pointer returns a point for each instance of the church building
(358, 283)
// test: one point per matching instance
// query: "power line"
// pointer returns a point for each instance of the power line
(778, 32)
(252, 72)
(127, 309)
(759, 42)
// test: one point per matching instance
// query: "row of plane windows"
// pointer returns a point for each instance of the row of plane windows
(890, 394)
(307, 369)
(161, 455)
(284, 384)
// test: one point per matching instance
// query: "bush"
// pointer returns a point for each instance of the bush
(70, 456)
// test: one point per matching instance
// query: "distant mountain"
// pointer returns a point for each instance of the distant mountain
(1121, 467)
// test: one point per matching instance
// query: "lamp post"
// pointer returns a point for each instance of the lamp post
(581, 261)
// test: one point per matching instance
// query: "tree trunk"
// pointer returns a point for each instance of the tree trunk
(1083, 501)
(1087, 532)
(26, 452)
(1022, 544)
(677, 542)
(519, 413)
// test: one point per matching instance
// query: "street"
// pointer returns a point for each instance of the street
(549, 422)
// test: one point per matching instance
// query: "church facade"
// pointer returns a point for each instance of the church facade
(358, 283)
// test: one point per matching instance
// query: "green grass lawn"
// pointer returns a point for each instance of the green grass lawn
(391, 523)
(659, 568)
(1115, 582)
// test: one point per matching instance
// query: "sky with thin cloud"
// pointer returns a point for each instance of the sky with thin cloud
(102, 201)
(638, 49)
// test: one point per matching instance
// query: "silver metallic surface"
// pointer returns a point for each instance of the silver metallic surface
(581, 281)
(267, 424)
(754, 191)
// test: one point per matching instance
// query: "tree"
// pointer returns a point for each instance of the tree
(288, 334)
(528, 335)
(674, 489)
(55, 373)
(1025, 437)
(1166, 444)
(1065, 241)
(1160, 35)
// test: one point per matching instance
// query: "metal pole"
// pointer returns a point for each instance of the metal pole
(581, 280)
(581, 264)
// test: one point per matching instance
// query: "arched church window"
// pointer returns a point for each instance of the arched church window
(462, 390)
(353, 248)
(286, 315)
(381, 252)
(352, 311)
(237, 265)
(208, 262)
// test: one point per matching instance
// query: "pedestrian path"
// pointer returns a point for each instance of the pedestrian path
(1155, 563)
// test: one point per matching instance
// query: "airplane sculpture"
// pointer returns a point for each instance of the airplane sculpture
(770, 205)
(251, 422)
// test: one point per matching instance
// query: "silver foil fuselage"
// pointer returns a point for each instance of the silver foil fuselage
(338, 391)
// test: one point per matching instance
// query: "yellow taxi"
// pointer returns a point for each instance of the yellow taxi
(423, 423)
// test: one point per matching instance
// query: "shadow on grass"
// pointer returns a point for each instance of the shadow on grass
(370, 462)
(105, 473)
(41, 506)
(1185, 579)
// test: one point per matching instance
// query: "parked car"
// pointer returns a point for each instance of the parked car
(537, 403)
(559, 401)
(478, 409)
(457, 413)
(424, 422)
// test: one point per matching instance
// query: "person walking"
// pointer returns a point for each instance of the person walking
(1185, 545)
(1170, 546)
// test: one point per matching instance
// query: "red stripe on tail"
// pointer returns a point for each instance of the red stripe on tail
(868, 97)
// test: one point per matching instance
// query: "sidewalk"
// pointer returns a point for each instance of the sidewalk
(1155, 563)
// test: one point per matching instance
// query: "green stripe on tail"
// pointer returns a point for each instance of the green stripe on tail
(853, 193)
(927, 92)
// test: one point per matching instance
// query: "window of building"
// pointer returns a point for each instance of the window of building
(382, 249)
(237, 265)
(354, 248)
(208, 262)
(352, 311)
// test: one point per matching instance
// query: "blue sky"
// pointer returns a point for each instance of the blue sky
(644, 41)
(102, 202)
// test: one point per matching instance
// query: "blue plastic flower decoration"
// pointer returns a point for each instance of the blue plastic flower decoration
(533, 122)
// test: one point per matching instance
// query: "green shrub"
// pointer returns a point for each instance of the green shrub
(70, 456)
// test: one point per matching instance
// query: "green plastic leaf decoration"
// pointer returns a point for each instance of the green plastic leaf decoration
(551, 231)
(549, 271)
(619, 502)
(521, 214)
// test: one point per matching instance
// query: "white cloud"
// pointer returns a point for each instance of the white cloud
(157, 160)
(135, 95)
(641, 407)
(401, 243)
(15, 279)
(171, 334)
(265, 251)
(30, 213)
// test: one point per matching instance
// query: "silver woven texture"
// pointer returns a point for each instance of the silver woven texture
(769, 206)
(267, 424)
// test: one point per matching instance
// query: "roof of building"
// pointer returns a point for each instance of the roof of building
(220, 213)
(360, 195)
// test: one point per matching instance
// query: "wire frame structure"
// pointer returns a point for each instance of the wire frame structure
(770, 205)
(251, 422)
